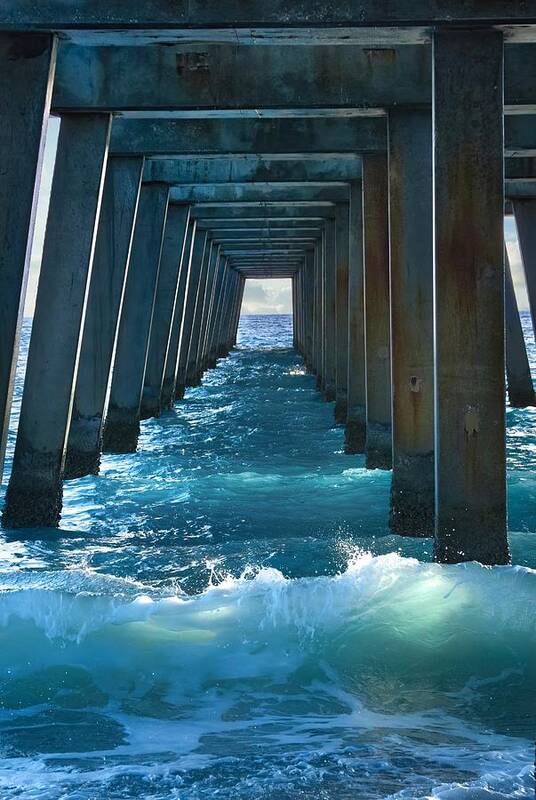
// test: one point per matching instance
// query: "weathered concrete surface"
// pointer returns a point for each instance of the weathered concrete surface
(166, 292)
(230, 79)
(110, 268)
(170, 373)
(198, 252)
(411, 253)
(206, 309)
(254, 169)
(122, 424)
(248, 136)
(341, 312)
(34, 495)
(378, 445)
(354, 441)
(470, 446)
(519, 380)
(294, 21)
(26, 75)
(318, 313)
(525, 217)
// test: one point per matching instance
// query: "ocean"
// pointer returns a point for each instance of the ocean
(224, 614)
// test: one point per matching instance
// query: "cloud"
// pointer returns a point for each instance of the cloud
(273, 296)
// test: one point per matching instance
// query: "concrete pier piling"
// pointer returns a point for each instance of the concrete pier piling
(330, 330)
(525, 217)
(122, 426)
(355, 433)
(35, 490)
(165, 298)
(27, 65)
(106, 290)
(470, 442)
(411, 260)
(198, 253)
(170, 371)
(379, 433)
(341, 313)
(519, 380)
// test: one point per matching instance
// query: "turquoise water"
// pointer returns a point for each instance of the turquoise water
(225, 615)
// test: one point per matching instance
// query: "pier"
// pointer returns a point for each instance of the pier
(368, 152)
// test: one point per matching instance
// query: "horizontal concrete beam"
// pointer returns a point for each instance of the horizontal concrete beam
(246, 169)
(525, 187)
(298, 136)
(257, 15)
(248, 136)
(248, 192)
(197, 79)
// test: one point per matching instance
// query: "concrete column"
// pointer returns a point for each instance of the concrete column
(295, 336)
(470, 445)
(207, 309)
(341, 312)
(525, 217)
(329, 312)
(237, 309)
(378, 445)
(212, 344)
(34, 495)
(410, 216)
(309, 278)
(106, 290)
(198, 251)
(519, 379)
(356, 419)
(166, 294)
(26, 76)
(221, 351)
(170, 373)
(193, 377)
(122, 425)
(319, 315)
(317, 319)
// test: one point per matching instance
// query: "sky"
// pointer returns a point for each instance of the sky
(261, 296)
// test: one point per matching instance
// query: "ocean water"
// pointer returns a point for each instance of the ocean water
(224, 614)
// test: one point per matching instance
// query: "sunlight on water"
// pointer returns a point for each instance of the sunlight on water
(225, 614)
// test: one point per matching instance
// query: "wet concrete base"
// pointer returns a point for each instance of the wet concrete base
(355, 436)
(121, 431)
(468, 535)
(379, 446)
(412, 496)
(179, 391)
(168, 394)
(83, 447)
(79, 463)
(35, 498)
(150, 403)
(341, 410)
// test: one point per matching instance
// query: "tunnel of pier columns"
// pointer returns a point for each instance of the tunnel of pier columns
(369, 157)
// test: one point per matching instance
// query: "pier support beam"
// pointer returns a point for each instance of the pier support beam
(341, 312)
(106, 290)
(525, 217)
(193, 377)
(122, 425)
(35, 491)
(470, 445)
(411, 255)
(198, 253)
(166, 294)
(519, 379)
(170, 373)
(329, 350)
(379, 442)
(356, 420)
(26, 75)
